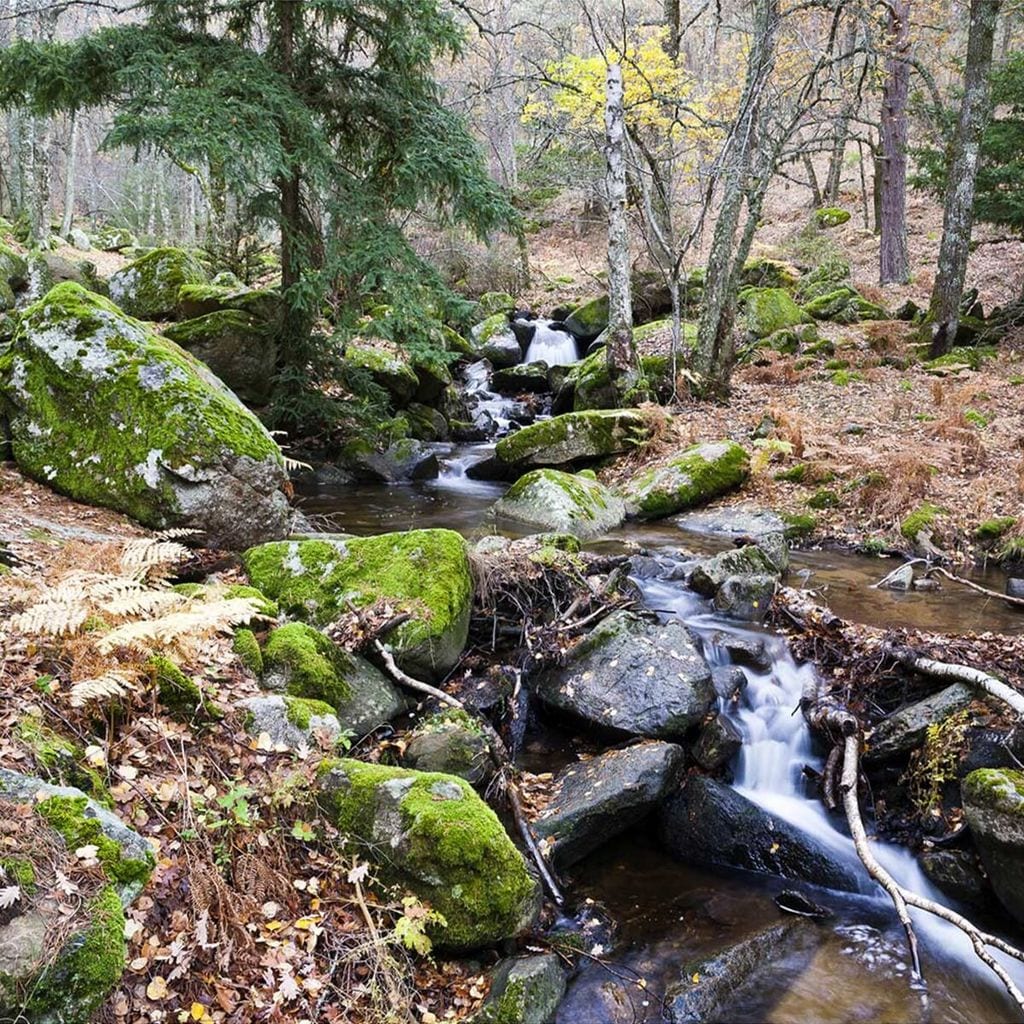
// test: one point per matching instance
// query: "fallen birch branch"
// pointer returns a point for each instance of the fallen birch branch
(976, 586)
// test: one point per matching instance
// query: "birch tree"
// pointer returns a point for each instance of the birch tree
(958, 212)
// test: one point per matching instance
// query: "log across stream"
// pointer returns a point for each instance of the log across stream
(649, 918)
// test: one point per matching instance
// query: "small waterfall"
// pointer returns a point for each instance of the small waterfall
(484, 404)
(551, 346)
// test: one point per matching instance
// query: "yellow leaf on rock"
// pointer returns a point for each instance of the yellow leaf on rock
(696, 978)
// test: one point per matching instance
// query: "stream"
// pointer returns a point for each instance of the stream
(664, 913)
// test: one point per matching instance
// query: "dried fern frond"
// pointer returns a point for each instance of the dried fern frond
(204, 619)
(145, 602)
(51, 618)
(179, 533)
(148, 555)
(292, 465)
(94, 586)
(107, 686)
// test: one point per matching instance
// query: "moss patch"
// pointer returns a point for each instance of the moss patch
(576, 435)
(767, 310)
(148, 287)
(996, 789)
(314, 665)
(993, 529)
(922, 518)
(179, 695)
(247, 647)
(300, 711)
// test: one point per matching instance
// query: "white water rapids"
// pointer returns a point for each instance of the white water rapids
(556, 348)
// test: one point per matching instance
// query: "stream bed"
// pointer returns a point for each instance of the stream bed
(664, 914)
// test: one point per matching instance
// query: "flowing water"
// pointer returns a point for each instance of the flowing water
(550, 345)
(666, 913)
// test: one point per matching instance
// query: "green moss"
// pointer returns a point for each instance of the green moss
(20, 871)
(496, 302)
(767, 310)
(456, 854)
(300, 710)
(576, 435)
(794, 474)
(247, 647)
(763, 272)
(1011, 550)
(316, 667)
(386, 363)
(996, 789)
(148, 287)
(265, 605)
(66, 816)
(179, 695)
(993, 529)
(590, 318)
(831, 216)
(799, 525)
(843, 377)
(496, 323)
(823, 498)
(695, 477)
(131, 402)
(60, 760)
(189, 589)
(422, 572)
(922, 518)
(972, 357)
(198, 300)
(977, 419)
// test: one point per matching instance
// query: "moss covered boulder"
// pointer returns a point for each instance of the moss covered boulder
(291, 722)
(195, 300)
(573, 437)
(549, 500)
(762, 272)
(424, 573)
(496, 302)
(387, 365)
(493, 339)
(430, 833)
(993, 801)
(767, 310)
(589, 319)
(694, 477)
(824, 278)
(105, 411)
(13, 276)
(451, 742)
(844, 305)
(65, 984)
(148, 287)
(240, 349)
(524, 990)
(112, 239)
(308, 665)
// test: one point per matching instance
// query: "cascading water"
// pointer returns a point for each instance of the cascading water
(550, 345)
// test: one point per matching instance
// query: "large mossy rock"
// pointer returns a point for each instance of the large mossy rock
(688, 480)
(763, 272)
(13, 276)
(589, 319)
(304, 663)
(551, 501)
(767, 310)
(65, 985)
(195, 300)
(905, 729)
(424, 573)
(494, 340)
(598, 799)
(633, 677)
(708, 822)
(993, 800)
(573, 437)
(844, 305)
(148, 287)
(240, 349)
(387, 365)
(432, 834)
(824, 278)
(591, 383)
(105, 411)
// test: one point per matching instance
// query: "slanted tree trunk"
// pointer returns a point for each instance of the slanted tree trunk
(893, 260)
(715, 348)
(623, 367)
(957, 218)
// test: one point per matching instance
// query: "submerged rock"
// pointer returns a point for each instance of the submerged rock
(148, 287)
(694, 477)
(708, 822)
(635, 677)
(549, 500)
(573, 437)
(432, 834)
(597, 799)
(524, 990)
(993, 800)
(105, 411)
(422, 572)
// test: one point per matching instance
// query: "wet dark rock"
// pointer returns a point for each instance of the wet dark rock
(958, 874)
(905, 729)
(453, 746)
(524, 990)
(988, 747)
(708, 822)
(768, 557)
(720, 975)
(635, 677)
(644, 567)
(746, 598)
(405, 460)
(597, 799)
(728, 681)
(792, 901)
(426, 423)
(1015, 588)
(993, 800)
(528, 377)
(719, 742)
(744, 650)
(491, 468)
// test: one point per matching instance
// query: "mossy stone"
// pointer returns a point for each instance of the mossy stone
(178, 694)
(432, 834)
(993, 801)
(767, 310)
(496, 302)
(573, 436)
(831, 216)
(548, 499)
(105, 411)
(247, 647)
(310, 664)
(148, 287)
(824, 278)
(688, 480)
(921, 518)
(763, 272)
(198, 300)
(589, 318)
(387, 364)
(422, 572)
(13, 269)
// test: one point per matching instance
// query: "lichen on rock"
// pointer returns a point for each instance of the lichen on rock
(148, 287)
(548, 499)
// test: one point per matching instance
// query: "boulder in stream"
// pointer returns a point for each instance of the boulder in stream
(690, 478)
(993, 800)
(719, 742)
(424, 573)
(635, 677)
(708, 822)
(573, 437)
(524, 990)
(550, 500)
(527, 377)
(905, 729)
(494, 340)
(433, 835)
(596, 800)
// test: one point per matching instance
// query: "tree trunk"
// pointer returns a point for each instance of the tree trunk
(504, 116)
(673, 26)
(623, 367)
(957, 219)
(715, 349)
(812, 179)
(894, 261)
(70, 165)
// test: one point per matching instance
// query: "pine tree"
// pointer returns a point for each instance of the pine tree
(321, 118)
